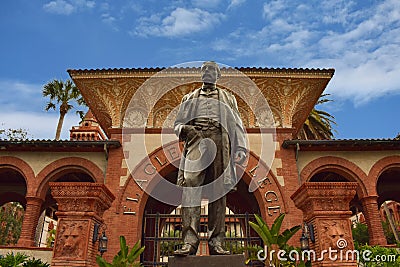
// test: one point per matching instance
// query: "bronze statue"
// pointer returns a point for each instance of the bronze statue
(209, 123)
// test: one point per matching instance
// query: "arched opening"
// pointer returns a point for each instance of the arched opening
(12, 205)
(388, 188)
(162, 225)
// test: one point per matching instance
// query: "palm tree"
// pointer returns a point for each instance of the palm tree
(318, 124)
(62, 93)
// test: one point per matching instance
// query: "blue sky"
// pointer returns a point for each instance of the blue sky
(40, 40)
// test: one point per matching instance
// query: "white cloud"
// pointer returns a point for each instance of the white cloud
(236, 3)
(25, 96)
(109, 20)
(273, 8)
(67, 7)
(179, 22)
(361, 43)
(59, 7)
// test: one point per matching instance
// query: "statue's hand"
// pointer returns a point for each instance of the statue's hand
(240, 156)
(188, 132)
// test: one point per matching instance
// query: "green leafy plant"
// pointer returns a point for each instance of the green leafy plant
(378, 256)
(50, 239)
(252, 251)
(11, 217)
(167, 247)
(387, 230)
(35, 263)
(11, 260)
(124, 257)
(360, 234)
(272, 238)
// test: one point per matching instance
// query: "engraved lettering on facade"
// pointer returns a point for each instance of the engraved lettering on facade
(173, 153)
(274, 209)
(160, 161)
(252, 171)
(273, 196)
(150, 169)
(264, 181)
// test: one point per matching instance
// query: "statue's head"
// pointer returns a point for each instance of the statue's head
(210, 72)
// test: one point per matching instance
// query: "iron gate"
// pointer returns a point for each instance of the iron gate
(162, 235)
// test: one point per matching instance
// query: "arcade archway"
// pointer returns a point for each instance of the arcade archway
(364, 205)
(156, 217)
(161, 232)
(388, 188)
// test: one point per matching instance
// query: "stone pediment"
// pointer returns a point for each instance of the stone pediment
(290, 93)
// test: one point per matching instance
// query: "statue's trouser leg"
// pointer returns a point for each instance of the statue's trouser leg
(217, 208)
(216, 222)
(192, 193)
(191, 197)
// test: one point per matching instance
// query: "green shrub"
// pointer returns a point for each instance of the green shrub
(360, 234)
(20, 259)
(388, 232)
(376, 253)
(35, 263)
(124, 257)
(11, 260)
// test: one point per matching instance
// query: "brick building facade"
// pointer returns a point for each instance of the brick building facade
(27, 168)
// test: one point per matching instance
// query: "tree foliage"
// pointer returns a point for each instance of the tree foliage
(62, 94)
(360, 234)
(11, 217)
(13, 134)
(319, 123)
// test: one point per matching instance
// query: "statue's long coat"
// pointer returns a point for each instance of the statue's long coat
(232, 122)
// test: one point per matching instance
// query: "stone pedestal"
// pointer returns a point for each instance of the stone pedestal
(209, 261)
(80, 207)
(326, 206)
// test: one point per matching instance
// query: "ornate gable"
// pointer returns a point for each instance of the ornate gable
(291, 93)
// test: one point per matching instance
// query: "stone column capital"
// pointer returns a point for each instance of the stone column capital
(369, 199)
(34, 200)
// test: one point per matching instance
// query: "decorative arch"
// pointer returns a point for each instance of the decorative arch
(64, 165)
(270, 196)
(21, 166)
(338, 165)
(378, 168)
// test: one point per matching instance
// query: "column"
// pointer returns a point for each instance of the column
(80, 207)
(374, 221)
(325, 205)
(31, 218)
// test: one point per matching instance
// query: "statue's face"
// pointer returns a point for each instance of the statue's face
(209, 73)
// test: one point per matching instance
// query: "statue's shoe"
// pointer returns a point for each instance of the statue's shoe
(186, 249)
(218, 250)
